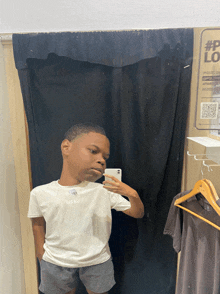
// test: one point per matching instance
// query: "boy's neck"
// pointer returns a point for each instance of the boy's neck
(67, 180)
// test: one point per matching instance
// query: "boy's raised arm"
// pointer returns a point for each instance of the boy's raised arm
(39, 229)
(137, 207)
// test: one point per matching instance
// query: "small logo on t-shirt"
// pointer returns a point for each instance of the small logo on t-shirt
(73, 192)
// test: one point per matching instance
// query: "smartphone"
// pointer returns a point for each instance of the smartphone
(115, 172)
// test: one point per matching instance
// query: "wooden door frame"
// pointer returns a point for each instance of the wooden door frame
(22, 165)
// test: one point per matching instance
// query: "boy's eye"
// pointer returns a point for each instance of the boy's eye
(95, 152)
(92, 151)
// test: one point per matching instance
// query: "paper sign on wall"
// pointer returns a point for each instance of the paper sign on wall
(208, 83)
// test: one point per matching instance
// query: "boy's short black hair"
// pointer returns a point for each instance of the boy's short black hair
(83, 128)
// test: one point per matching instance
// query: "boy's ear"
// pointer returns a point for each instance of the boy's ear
(65, 147)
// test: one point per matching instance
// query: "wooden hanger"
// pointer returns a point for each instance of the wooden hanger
(206, 188)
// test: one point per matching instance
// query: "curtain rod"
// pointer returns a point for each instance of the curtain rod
(6, 39)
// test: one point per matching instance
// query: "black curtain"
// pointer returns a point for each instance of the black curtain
(135, 84)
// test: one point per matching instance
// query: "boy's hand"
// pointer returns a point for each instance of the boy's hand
(119, 187)
(137, 207)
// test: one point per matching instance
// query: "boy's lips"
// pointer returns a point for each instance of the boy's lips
(98, 170)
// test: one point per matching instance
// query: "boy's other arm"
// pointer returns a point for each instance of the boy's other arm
(39, 229)
(137, 207)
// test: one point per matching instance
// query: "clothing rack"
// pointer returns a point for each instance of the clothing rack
(203, 160)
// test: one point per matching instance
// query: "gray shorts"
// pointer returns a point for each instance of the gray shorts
(59, 280)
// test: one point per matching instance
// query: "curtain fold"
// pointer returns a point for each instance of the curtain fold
(135, 84)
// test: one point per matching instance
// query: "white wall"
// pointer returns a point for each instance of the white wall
(11, 260)
(85, 15)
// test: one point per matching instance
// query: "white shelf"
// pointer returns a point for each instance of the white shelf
(205, 141)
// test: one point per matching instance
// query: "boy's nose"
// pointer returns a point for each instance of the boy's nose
(101, 161)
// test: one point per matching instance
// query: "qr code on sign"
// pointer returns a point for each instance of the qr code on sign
(209, 110)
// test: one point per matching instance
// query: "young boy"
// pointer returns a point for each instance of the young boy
(71, 217)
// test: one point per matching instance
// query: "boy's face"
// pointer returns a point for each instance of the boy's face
(86, 156)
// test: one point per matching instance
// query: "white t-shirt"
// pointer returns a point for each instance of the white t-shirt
(78, 221)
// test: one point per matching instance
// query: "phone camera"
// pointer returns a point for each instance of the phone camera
(118, 171)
